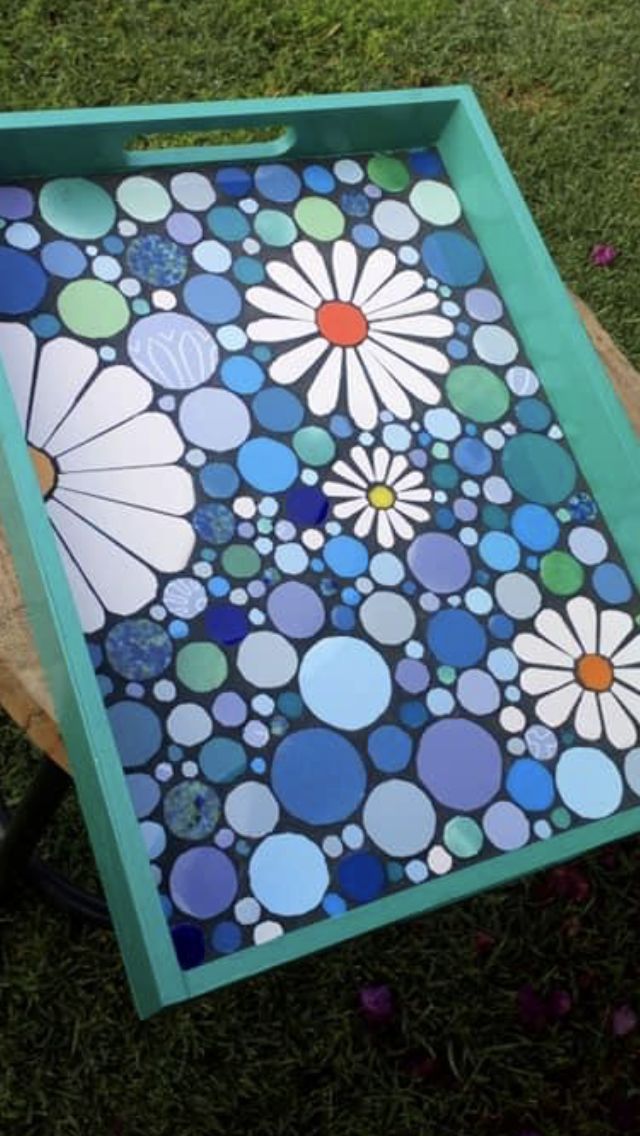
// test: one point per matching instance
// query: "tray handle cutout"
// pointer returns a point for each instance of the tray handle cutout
(222, 145)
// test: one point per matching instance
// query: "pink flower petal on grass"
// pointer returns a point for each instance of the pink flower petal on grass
(603, 255)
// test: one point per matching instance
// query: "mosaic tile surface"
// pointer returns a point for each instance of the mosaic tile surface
(354, 613)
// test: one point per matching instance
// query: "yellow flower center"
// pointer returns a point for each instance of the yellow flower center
(381, 497)
(45, 470)
(594, 672)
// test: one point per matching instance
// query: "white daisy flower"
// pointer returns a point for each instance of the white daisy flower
(105, 468)
(379, 489)
(587, 665)
(368, 325)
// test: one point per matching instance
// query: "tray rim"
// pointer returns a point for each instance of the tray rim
(516, 255)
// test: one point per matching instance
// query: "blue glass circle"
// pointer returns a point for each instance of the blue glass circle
(277, 182)
(226, 623)
(267, 465)
(218, 479)
(346, 556)
(472, 456)
(188, 941)
(226, 938)
(500, 551)
(242, 374)
(530, 784)
(361, 877)
(278, 409)
(456, 638)
(611, 583)
(533, 413)
(318, 179)
(535, 527)
(453, 258)
(306, 505)
(389, 748)
(318, 776)
(63, 259)
(235, 181)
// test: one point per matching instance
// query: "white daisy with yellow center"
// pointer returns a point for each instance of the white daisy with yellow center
(380, 489)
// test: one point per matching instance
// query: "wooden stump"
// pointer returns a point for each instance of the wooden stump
(23, 691)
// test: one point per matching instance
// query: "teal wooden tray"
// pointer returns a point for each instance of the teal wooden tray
(325, 513)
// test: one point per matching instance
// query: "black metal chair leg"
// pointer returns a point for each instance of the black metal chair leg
(20, 831)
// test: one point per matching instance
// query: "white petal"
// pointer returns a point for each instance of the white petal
(423, 302)
(389, 392)
(160, 540)
(398, 465)
(363, 524)
(280, 330)
(400, 524)
(409, 482)
(311, 263)
(629, 699)
(288, 368)
(322, 396)
(378, 268)
(415, 512)
(614, 628)
(63, 372)
(18, 357)
(401, 286)
(362, 461)
(360, 401)
(117, 394)
(584, 619)
(278, 304)
(121, 582)
(381, 462)
(554, 709)
(587, 720)
(539, 680)
(415, 382)
(89, 608)
(384, 532)
(345, 267)
(341, 469)
(341, 489)
(164, 488)
(554, 628)
(149, 439)
(345, 509)
(421, 327)
(290, 280)
(533, 649)
(412, 495)
(630, 676)
(618, 726)
(420, 354)
(629, 655)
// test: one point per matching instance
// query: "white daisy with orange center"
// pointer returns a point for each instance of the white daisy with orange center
(380, 490)
(587, 665)
(364, 324)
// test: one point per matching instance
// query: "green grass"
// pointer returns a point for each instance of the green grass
(287, 1052)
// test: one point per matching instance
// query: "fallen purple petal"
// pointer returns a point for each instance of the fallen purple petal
(559, 1004)
(602, 255)
(624, 1020)
(531, 1008)
(377, 1004)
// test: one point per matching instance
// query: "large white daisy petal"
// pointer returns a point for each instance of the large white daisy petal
(88, 606)
(629, 699)
(630, 676)
(554, 628)
(534, 649)
(618, 725)
(587, 720)
(121, 582)
(279, 304)
(400, 524)
(414, 381)
(415, 512)
(278, 330)
(291, 365)
(64, 370)
(412, 495)
(615, 626)
(584, 620)
(360, 400)
(290, 280)
(629, 655)
(554, 709)
(341, 489)
(163, 541)
(149, 439)
(362, 461)
(18, 360)
(381, 460)
(401, 286)
(421, 327)
(398, 465)
(389, 392)
(379, 266)
(384, 532)
(420, 354)
(165, 489)
(311, 263)
(423, 302)
(408, 482)
(539, 680)
(345, 509)
(325, 388)
(116, 395)
(342, 469)
(345, 267)
(363, 525)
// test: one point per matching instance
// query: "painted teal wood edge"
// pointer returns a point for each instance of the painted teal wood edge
(588, 408)
(141, 928)
(559, 349)
(39, 143)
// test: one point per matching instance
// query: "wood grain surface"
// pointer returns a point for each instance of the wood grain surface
(23, 691)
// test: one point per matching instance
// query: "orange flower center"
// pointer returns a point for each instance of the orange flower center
(342, 324)
(45, 470)
(594, 672)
